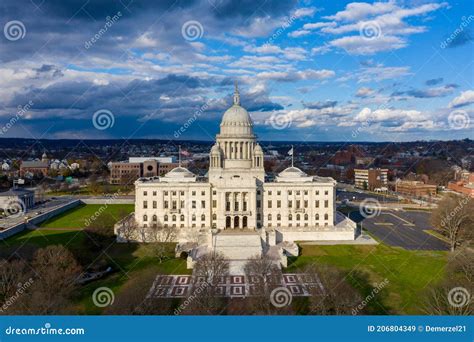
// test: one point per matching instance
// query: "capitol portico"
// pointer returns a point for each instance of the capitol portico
(235, 197)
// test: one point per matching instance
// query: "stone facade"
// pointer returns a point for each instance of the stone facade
(234, 196)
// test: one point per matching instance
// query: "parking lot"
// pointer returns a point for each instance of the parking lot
(404, 229)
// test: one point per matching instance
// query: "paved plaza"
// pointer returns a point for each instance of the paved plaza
(181, 286)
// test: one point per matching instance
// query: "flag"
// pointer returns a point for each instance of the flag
(290, 152)
(185, 153)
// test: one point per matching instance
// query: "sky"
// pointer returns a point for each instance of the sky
(306, 70)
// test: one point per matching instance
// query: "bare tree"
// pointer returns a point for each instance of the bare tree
(128, 229)
(11, 274)
(265, 276)
(205, 299)
(453, 296)
(56, 272)
(454, 218)
(335, 296)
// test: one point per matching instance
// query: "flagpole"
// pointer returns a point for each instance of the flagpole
(179, 155)
(292, 155)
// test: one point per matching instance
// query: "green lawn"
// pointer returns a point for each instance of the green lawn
(129, 261)
(78, 216)
(407, 272)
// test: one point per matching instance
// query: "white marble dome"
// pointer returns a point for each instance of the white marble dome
(236, 119)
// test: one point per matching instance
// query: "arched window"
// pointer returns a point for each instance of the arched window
(155, 218)
(203, 217)
(290, 217)
(326, 216)
(193, 217)
(145, 218)
(279, 217)
(165, 218)
(298, 217)
(214, 216)
(173, 218)
(269, 217)
(182, 217)
(317, 216)
(306, 217)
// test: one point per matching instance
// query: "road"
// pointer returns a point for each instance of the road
(402, 229)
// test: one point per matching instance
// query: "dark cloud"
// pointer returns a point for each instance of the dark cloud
(434, 81)
(460, 39)
(319, 104)
(428, 92)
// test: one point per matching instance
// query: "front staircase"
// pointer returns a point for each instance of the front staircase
(237, 248)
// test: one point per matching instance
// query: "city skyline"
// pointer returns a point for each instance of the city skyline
(307, 71)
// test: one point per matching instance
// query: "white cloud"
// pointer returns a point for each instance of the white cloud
(364, 92)
(305, 12)
(376, 73)
(466, 98)
(361, 10)
(359, 45)
(308, 74)
(298, 33)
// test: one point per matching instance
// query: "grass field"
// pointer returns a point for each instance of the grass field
(76, 217)
(407, 272)
(129, 261)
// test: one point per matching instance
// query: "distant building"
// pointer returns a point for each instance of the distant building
(464, 185)
(127, 173)
(34, 168)
(364, 161)
(15, 200)
(415, 188)
(369, 179)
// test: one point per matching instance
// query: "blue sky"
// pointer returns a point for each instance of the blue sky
(307, 70)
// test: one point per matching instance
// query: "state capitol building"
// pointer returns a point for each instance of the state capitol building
(235, 202)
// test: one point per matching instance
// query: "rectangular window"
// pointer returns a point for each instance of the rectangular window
(182, 193)
(203, 204)
(317, 192)
(145, 205)
(145, 193)
(278, 193)
(290, 204)
(214, 203)
(278, 204)
(182, 205)
(166, 193)
(193, 204)
(269, 192)
(165, 204)
(297, 204)
(326, 204)
(305, 203)
(290, 192)
(203, 193)
(174, 205)
(269, 204)
(154, 193)
(193, 193)
(154, 204)
(174, 193)
(326, 192)
(317, 204)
